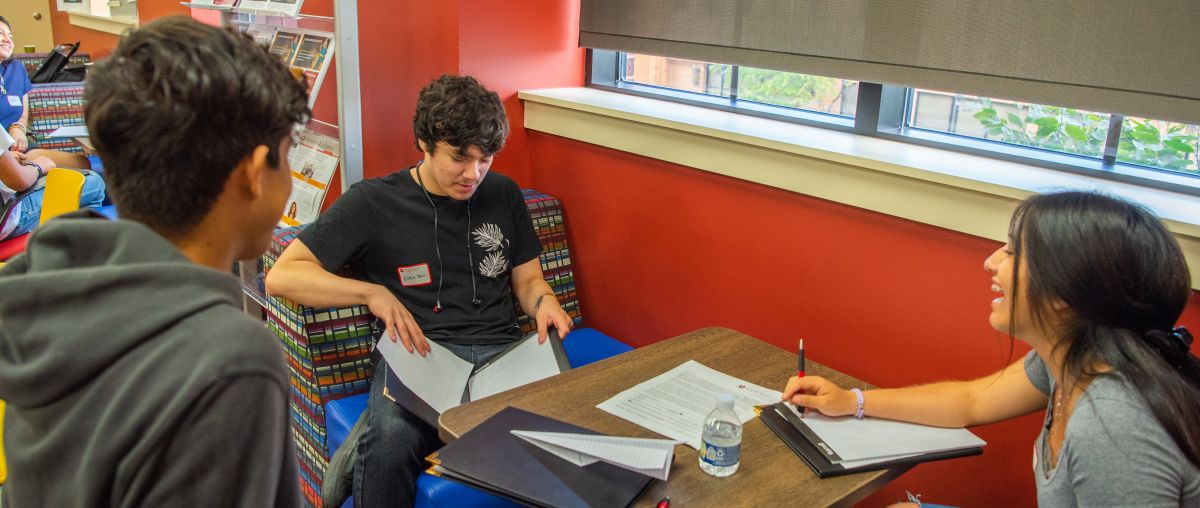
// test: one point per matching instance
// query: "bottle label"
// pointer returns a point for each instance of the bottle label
(720, 456)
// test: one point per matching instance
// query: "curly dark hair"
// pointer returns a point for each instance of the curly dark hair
(461, 112)
(176, 107)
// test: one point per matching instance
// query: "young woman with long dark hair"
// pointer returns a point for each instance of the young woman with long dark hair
(1095, 286)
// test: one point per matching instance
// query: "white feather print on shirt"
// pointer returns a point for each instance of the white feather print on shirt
(489, 237)
(493, 265)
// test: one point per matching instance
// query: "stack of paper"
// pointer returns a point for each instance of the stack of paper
(838, 446)
(867, 439)
(651, 457)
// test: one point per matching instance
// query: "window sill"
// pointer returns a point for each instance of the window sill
(114, 25)
(965, 193)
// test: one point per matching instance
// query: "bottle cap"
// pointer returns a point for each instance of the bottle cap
(725, 401)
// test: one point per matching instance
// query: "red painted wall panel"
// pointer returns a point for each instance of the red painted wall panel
(101, 44)
(516, 45)
(96, 44)
(661, 249)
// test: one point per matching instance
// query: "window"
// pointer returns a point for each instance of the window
(1145, 151)
(761, 90)
(678, 74)
(800, 91)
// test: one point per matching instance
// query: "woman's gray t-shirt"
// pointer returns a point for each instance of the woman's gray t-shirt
(1115, 452)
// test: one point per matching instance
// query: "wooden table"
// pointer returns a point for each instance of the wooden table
(770, 473)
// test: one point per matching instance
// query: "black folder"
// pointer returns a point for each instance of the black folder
(395, 390)
(805, 443)
(490, 458)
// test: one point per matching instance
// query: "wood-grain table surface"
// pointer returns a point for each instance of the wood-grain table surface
(770, 473)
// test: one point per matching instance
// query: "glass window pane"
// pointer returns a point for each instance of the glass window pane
(1159, 144)
(800, 91)
(1048, 127)
(677, 73)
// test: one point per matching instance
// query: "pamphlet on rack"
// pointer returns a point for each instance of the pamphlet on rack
(675, 403)
(306, 51)
(218, 4)
(313, 159)
(289, 8)
(432, 384)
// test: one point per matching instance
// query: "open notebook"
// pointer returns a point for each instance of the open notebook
(838, 446)
(429, 385)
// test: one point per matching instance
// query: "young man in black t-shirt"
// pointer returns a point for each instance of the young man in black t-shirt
(442, 247)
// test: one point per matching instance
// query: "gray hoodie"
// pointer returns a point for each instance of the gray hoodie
(133, 379)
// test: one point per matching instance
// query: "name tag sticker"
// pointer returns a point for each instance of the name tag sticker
(15, 101)
(415, 275)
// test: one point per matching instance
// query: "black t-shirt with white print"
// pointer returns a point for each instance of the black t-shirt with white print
(383, 230)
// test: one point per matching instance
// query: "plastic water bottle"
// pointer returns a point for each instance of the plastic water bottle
(721, 443)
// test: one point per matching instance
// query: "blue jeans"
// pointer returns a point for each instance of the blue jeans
(31, 207)
(395, 442)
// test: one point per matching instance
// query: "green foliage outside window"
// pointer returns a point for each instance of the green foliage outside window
(788, 89)
(1146, 144)
(1048, 127)
(1083, 133)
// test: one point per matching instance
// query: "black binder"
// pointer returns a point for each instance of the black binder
(490, 458)
(395, 390)
(804, 442)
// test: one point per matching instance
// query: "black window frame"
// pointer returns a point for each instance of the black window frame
(881, 111)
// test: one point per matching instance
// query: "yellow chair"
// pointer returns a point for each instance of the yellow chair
(3, 464)
(63, 188)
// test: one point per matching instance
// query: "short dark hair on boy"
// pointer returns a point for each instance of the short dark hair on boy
(461, 112)
(176, 107)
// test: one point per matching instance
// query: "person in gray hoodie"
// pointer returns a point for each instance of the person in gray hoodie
(132, 377)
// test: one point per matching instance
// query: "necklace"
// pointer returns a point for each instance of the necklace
(1056, 416)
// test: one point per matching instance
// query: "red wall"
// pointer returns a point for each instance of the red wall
(661, 249)
(506, 45)
(100, 44)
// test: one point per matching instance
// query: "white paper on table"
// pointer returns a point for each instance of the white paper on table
(675, 402)
(525, 363)
(875, 440)
(651, 457)
(438, 378)
(70, 131)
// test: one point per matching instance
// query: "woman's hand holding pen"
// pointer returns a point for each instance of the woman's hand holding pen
(821, 394)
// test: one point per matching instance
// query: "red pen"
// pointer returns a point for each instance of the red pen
(664, 503)
(800, 361)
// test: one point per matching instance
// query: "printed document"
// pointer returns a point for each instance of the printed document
(675, 403)
(651, 457)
